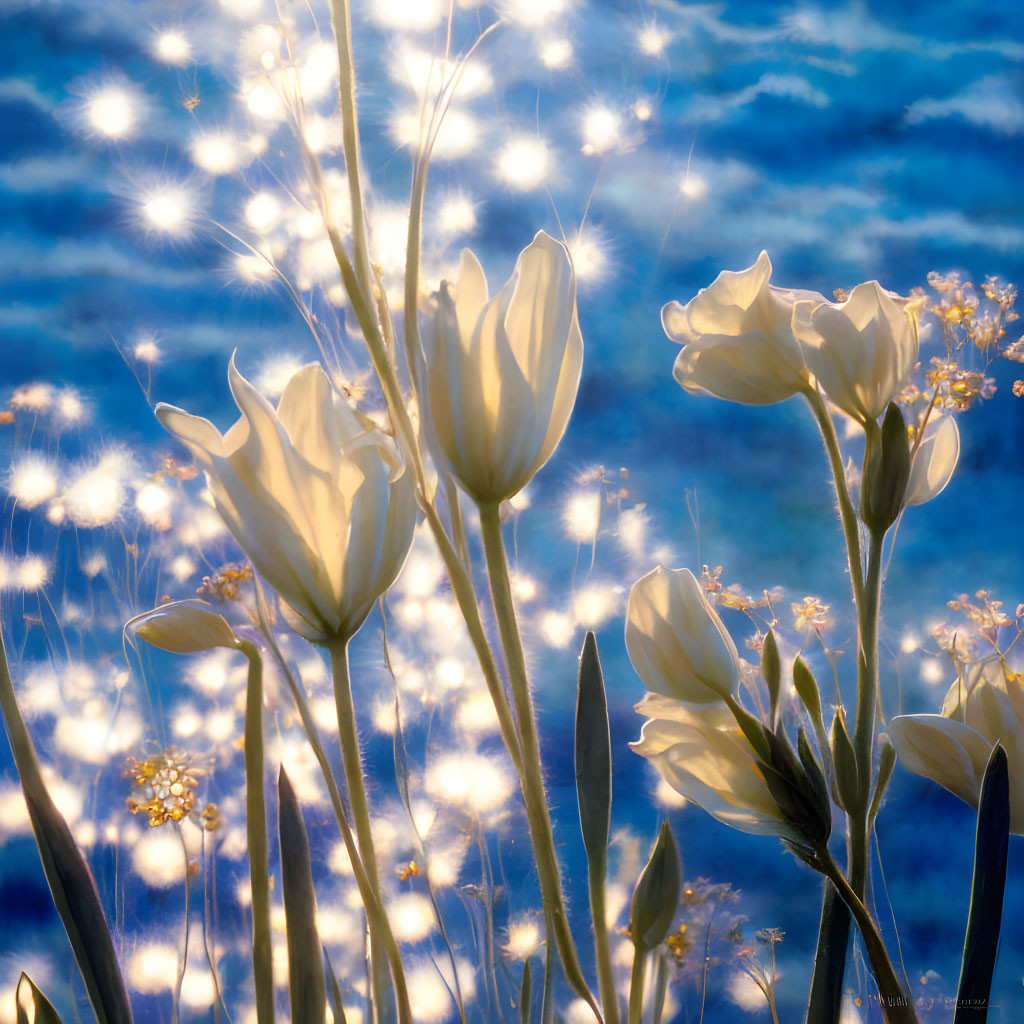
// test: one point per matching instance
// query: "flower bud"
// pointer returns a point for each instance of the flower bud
(886, 472)
(656, 896)
(183, 627)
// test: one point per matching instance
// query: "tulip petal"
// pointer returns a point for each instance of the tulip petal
(721, 308)
(713, 767)
(950, 753)
(732, 368)
(564, 398)
(676, 641)
(471, 296)
(198, 434)
(935, 460)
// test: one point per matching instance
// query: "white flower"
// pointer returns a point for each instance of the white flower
(677, 643)
(737, 338)
(702, 754)
(935, 460)
(314, 493)
(860, 350)
(953, 748)
(503, 371)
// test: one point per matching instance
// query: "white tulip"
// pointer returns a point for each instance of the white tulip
(702, 754)
(935, 460)
(503, 372)
(737, 338)
(314, 493)
(953, 748)
(678, 645)
(860, 350)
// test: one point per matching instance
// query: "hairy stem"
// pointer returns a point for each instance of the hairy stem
(532, 777)
(605, 978)
(256, 829)
(897, 1006)
(348, 736)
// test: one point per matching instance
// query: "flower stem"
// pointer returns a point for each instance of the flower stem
(256, 829)
(341, 22)
(867, 677)
(602, 954)
(532, 777)
(348, 736)
(897, 1006)
(636, 987)
(847, 513)
(375, 917)
(824, 1003)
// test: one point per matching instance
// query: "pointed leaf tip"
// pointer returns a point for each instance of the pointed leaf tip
(656, 896)
(593, 754)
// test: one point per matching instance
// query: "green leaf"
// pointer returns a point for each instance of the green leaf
(335, 994)
(306, 988)
(771, 669)
(981, 944)
(71, 883)
(845, 760)
(524, 995)
(593, 755)
(886, 472)
(43, 1011)
(656, 896)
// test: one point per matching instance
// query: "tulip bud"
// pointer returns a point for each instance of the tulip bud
(656, 896)
(183, 627)
(886, 471)
(772, 672)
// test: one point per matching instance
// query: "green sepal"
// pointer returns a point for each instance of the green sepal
(887, 763)
(800, 795)
(755, 732)
(42, 1009)
(844, 759)
(593, 755)
(656, 896)
(306, 991)
(815, 777)
(981, 943)
(886, 472)
(807, 690)
(771, 669)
